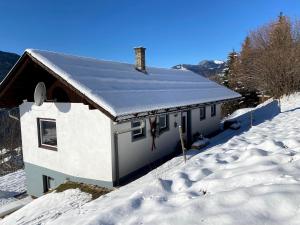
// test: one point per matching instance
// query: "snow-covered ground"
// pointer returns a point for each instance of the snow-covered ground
(248, 176)
(11, 185)
(48, 208)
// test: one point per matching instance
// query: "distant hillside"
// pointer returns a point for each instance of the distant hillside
(207, 68)
(7, 60)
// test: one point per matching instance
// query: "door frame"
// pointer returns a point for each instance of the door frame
(188, 127)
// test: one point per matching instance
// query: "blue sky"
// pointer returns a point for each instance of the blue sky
(172, 31)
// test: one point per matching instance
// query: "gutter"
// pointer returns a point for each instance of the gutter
(116, 150)
(140, 115)
(12, 116)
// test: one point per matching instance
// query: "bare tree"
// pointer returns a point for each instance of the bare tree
(10, 143)
(270, 58)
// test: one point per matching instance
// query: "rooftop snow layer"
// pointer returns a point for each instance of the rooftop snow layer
(120, 89)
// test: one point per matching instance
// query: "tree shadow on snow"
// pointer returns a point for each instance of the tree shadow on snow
(291, 110)
(259, 115)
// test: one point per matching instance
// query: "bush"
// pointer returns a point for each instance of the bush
(94, 190)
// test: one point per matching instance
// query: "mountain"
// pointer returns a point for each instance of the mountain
(7, 60)
(207, 68)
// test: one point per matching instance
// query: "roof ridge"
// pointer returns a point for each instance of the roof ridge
(32, 50)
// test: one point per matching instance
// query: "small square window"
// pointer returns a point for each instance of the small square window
(139, 133)
(47, 134)
(163, 122)
(202, 113)
(213, 110)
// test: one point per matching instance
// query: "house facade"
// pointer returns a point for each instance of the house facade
(103, 120)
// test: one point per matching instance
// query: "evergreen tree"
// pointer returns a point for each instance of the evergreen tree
(232, 71)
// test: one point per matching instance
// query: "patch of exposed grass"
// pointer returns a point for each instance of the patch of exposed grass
(94, 190)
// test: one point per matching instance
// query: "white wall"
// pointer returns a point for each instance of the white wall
(136, 154)
(83, 140)
(209, 124)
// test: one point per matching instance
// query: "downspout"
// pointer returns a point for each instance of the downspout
(9, 113)
(12, 116)
(116, 149)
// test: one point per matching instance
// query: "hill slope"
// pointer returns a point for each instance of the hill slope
(248, 176)
(7, 60)
(207, 68)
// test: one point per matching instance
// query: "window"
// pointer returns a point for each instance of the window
(202, 113)
(48, 183)
(139, 133)
(213, 110)
(163, 122)
(47, 134)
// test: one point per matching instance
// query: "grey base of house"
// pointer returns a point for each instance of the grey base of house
(35, 184)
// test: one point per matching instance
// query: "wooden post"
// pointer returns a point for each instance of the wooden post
(182, 143)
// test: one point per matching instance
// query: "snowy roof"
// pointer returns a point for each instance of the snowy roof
(120, 89)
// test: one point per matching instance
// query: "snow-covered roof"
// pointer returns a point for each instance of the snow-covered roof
(120, 89)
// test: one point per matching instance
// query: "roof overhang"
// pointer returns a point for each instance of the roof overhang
(22, 62)
(141, 115)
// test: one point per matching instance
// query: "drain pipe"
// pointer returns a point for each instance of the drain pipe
(12, 116)
(116, 152)
(9, 113)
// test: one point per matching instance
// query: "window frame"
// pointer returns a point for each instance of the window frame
(213, 110)
(166, 127)
(141, 135)
(41, 145)
(202, 117)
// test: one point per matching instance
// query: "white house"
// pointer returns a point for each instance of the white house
(103, 120)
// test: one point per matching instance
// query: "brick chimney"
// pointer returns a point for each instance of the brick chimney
(140, 63)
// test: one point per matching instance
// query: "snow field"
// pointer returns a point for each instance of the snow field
(248, 176)
(254, 178)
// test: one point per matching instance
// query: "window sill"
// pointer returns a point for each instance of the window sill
(48, 147)
(137, 138)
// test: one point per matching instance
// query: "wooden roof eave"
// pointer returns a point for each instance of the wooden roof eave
(22, 62)
(91, 102)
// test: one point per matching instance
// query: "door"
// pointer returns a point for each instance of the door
(186, 127)
(184, 124)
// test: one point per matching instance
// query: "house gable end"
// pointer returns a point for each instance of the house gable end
(21, 81)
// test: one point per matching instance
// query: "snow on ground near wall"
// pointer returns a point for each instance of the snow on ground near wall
(48, 208)
(11, 185)
(249, 176)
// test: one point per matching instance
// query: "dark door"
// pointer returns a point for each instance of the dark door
(186, 127)
(184, 124)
